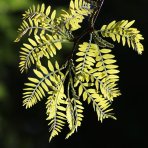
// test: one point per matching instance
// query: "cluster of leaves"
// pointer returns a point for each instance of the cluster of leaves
(90, 74)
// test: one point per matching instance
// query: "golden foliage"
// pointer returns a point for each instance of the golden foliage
(122, 31)
(90, 74)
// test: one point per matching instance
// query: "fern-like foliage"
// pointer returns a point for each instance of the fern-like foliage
(77, 10)
(90, 74)
(43, 45)
(122, 30)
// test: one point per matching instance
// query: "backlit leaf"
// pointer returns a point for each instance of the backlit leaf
(50, 66)
(38, 73)
(48, 10)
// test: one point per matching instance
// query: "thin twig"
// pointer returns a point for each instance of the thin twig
(90, 27)
(100, 4)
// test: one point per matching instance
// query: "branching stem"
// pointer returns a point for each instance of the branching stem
(90, 27)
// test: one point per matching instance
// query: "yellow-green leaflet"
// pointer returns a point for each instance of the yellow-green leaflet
(44, 70)
(50, 66)
(53, 15)
(48, 10)
(38, 73)
(34, 80)
(32, 42)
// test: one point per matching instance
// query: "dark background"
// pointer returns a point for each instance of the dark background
(20, 128)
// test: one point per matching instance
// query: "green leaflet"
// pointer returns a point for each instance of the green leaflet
(77, 10)
(43, 46)
(122, 32)
(74, 115)
(89, 75)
